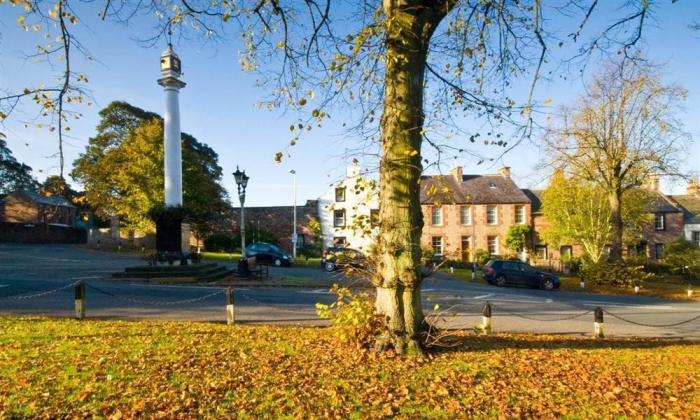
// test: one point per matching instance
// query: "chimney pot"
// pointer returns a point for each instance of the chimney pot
(693, 188)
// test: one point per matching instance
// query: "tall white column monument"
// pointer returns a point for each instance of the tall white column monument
(170, 68)
(172, 235)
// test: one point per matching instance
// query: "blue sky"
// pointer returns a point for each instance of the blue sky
(218, 105)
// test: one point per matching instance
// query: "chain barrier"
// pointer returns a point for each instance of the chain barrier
(39, 294)
(641, 324)
(566, 318)
(155, 302)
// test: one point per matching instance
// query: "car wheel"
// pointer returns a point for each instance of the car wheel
(500, 281)
(547, 284)
(278, 262)
(329, 266)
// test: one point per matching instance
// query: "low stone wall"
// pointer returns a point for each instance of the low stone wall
(106, 237)
(40, 233)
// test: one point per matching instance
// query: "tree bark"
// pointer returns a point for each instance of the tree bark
(615, 198)
(409, 26)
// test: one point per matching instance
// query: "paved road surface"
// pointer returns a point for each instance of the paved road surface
(31, 269)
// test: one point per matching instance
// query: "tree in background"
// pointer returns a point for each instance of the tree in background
(616, 137)
(579, 212)
(14, 175)
(122, 171)
(517, 237)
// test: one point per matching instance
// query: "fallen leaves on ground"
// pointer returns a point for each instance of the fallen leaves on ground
(64, 368)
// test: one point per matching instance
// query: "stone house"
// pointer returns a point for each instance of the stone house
(349, 210)
(690, 205)
(464, 213)
(28, 207)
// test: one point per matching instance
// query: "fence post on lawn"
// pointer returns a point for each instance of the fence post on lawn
(598, 323)
(230, 319)
(80, 300)
(486, 318)
(581, 282)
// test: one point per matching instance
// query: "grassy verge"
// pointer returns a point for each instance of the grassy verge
(669, 287)
(226, 257)
(66, 368)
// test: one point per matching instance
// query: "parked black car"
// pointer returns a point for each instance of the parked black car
(268, 254)
(334, 258)
(505, 272)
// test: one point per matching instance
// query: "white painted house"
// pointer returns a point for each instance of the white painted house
(349, 210)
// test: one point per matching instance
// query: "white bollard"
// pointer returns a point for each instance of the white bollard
(598, 324)
(230, 318)
(636, 289)
(80, 300)
(486, 325)
(452, 270)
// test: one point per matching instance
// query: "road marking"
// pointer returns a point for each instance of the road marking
(86, 277)
(4, 285)
(313, 292)
(484, 296)
(548, 300)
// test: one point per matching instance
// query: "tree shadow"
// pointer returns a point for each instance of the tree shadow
(477, 343)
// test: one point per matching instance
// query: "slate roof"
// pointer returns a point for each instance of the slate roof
(535, 197)
(690, 204)
(53, 200)
(473, 189)
(662, 204)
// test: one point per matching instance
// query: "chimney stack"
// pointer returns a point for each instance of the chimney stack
(353, 170)
(653, 182)
(505, 172)
(457, 173)
(693, 188)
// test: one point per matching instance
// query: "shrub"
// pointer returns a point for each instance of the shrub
(620, 274)
(683, 257)
(482, 257)
(219, 243)
(352, 316)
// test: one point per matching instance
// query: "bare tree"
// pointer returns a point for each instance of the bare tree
(410, 71)
(619, 135)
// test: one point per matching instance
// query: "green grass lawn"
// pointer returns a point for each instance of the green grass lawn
(234, 257)
(53, 368)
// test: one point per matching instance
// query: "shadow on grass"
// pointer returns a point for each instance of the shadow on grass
(473, 343)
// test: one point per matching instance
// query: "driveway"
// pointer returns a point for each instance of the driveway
(31, 274)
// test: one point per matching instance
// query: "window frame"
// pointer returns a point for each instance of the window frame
(495, 215)
(441, 245)
(544, 248)
(340, 198)
(695, 236)
(659, 217)
(659, 249)
(335, 218)
(433, 213)
(520, 211)
(496, 245)
(469, 215)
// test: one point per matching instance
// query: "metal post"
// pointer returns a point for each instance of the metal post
(230, 318)
(80, 300)
(294, 234)
(486, 326)
(581, 283)
(598, 323)
(242, 198)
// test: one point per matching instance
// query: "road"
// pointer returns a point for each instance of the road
(27, 270)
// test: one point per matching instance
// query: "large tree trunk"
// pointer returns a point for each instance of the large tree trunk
(615, 198)
(398, 276)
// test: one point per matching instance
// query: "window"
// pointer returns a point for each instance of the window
(301, 240)
(520, 214)
(437, 245)
(491, 215)
(339, 218)
(340, 241)
(374, 217)
(658, 251)
(695, 235)
(493, 245)
(465, 215)
(510, 266)
(659, 221)
(565, 251)
(436, 216)
(541, 252)
(466, 247)
(526, 268)
(340, 194)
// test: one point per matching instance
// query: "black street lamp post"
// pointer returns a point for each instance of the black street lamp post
(242, 182)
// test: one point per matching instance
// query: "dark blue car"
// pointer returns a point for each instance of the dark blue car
(505, 272)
